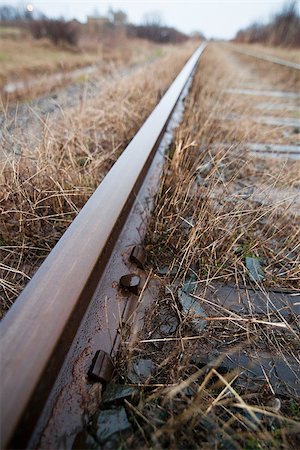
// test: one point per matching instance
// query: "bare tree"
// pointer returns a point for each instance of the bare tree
(118, 17)
(152, 19)
(283, 29)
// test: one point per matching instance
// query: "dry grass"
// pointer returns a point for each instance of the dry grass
(215, 207)
(32, 62)
(60, 164)
(24, 58)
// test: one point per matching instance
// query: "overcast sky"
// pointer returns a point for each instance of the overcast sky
(215, 18)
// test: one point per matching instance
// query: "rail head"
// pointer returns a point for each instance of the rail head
(32, 329)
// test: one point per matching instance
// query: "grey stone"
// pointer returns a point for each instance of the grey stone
(169, 324)
(189, 285)
(109, 424)
(141, 370)
(192, 309)
(283, 375)
(253, 265)
(116, 392)
(249, 301)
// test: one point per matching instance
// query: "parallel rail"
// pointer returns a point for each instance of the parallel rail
(38, 331)
(269, 58)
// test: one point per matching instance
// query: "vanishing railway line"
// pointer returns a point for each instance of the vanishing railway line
(63, 330)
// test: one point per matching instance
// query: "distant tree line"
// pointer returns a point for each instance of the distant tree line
(39, 25)
(61, 31)
(283, 30)
(160, 34)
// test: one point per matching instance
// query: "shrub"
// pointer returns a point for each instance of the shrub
(156, 33)
(58, 31)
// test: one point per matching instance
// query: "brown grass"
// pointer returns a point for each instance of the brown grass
(28, 57)
(216, 205)
(207, 219)
(60, 163)
(29, 61)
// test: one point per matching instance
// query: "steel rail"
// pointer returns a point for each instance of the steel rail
(269, 58)
(38, 330)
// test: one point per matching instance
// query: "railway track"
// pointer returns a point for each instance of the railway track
(62, 333)
(42, 335)
(269, 58)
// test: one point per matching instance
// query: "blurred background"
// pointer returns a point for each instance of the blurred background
(42, 37)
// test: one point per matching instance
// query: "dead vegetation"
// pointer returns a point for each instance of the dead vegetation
(46, 180)
(282, 30)
(36, 68)
(209, 373)
(218, 208)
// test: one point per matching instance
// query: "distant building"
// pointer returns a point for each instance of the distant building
(96, 24)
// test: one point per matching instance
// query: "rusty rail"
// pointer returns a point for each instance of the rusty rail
(266, 57)
(38, 331)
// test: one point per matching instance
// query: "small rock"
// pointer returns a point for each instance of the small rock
(141, 370)
(253, 265)
(192, 309)
(166, 322)
(109, 424)
(115, 392)
(130, 282)
(169, 324)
